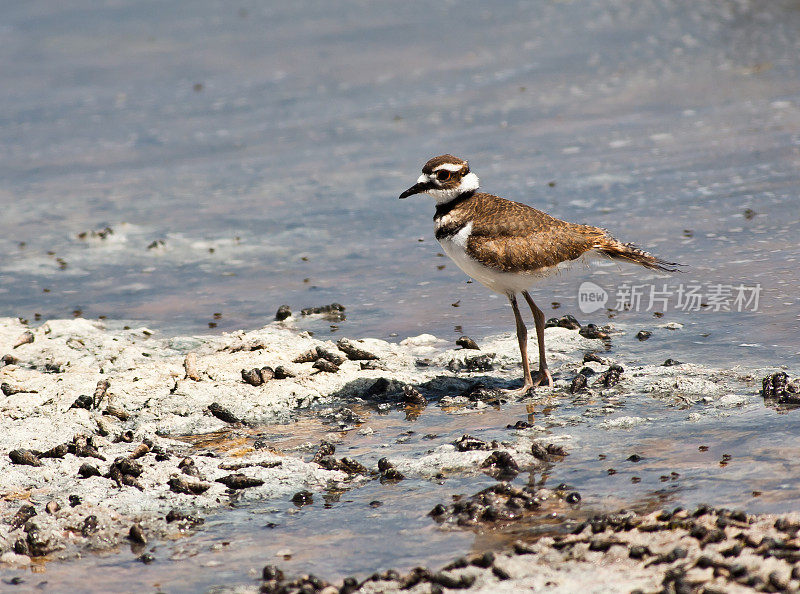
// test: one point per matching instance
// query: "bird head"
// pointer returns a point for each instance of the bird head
(444, 178)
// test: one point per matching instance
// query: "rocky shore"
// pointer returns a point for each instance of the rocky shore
(99, 445)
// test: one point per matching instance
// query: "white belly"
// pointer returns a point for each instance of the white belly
(496, 280)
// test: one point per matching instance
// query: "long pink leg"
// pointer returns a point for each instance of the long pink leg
(538, 318)
(522, 338)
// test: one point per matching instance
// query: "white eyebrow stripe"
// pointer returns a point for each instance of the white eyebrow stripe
(449, 166)
(423, 178)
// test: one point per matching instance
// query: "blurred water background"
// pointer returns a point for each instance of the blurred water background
(163, 162)
(250, 154)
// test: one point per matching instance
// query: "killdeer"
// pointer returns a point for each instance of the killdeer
(508, 246)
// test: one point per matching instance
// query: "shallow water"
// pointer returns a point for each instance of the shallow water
(265, 146)
(380, 526)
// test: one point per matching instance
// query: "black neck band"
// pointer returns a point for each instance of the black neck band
(443, 209)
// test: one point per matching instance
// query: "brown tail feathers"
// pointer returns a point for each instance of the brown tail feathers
(629, 252)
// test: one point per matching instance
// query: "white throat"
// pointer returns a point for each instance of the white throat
(469, 183)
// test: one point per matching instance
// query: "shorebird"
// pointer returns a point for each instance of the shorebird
(508, 246)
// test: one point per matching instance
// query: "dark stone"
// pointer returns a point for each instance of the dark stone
(446, 580)
(353, 352)
(88, 470)
(24, 457)
(176, 516)
(284, 311)
(593, 358)
(90, 525)
(350, 466)
(485, 560)
(500, 460)
(136, 534)
(282, 373)
(308, 357)
(82, 401)
(776, 385)
(181, 485)
(412, 396)
(556, 450)
(473, 364)
(671, 363)
(326, 366)
(21, 547)
(566, 321)
(500, 573)
(302, 498)
(465, 342)
(239, 481)
(128, 466)
(24, 513)
(223, 414)
(380, 386)
(58, 451)
(634, 458)
(334, 358)
(643, 334)
(467, 443)
(573, 498)
(593, 332)
(610, 377)
(330, 310)
(252, 377)
(38, 544)
(438, 510)
(519, 425)
(325, 450)
(270, 572)
(74, 500)
(539, 452)
(578, 384)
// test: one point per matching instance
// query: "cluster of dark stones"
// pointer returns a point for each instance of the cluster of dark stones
(387, 390)
(324, 457)
(548, 453)
(275, 582)
(333, 312)
(467, 443)
(80, 446)
(502, 502)
(323, 359)
(777, 387)
(93, 401)
(597, 532)
(472, 364)
(588, 331)
(607, 379)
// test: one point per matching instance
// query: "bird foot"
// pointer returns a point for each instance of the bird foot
(543, 376)
(519, 391)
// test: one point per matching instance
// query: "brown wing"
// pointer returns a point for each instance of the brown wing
(516, 237)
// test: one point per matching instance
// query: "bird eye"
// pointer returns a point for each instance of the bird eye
(443, 175)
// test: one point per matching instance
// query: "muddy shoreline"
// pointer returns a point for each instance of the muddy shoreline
(109, 438)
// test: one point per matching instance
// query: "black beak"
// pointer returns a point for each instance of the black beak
(416, 189)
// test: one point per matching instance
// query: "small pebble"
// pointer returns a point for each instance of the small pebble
(136, 534)
(465, 342)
